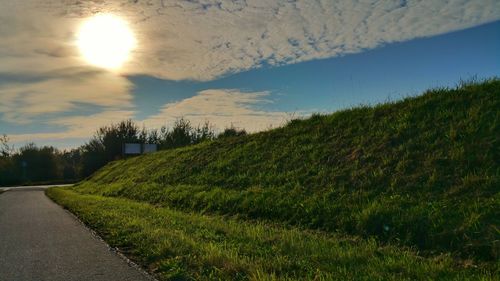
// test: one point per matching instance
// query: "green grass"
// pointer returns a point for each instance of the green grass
(177, 245)
(422, 173)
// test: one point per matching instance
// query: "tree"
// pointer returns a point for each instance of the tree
(69, 162)
(180, 135)
(5, 149)
(232, 132)
(36, 163)
(93, 157)
(203, 133)
(7, 169)
(107, 144)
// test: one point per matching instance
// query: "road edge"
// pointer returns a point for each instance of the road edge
(96, 235)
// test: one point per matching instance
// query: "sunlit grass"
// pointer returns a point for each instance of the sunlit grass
(422, 172)
(186, 246)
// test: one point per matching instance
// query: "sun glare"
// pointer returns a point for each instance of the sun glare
(106, 41)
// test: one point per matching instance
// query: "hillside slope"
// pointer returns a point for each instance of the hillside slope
(422, 172)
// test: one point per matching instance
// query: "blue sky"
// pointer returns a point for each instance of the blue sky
(254, 74)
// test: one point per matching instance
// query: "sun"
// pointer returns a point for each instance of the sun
(106, 41)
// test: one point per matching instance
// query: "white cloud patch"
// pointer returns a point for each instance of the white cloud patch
(25, 102)
(223, 108)
(78, 127)
(204, 39)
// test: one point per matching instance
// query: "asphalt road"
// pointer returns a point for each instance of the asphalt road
(31, 187)
(41, 241)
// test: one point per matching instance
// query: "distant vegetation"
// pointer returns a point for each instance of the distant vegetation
(33, 164)
(421, 173)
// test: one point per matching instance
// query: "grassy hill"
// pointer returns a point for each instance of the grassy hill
(421, 173)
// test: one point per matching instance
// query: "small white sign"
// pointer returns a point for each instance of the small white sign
(132, 148)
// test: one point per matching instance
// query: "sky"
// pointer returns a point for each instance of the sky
(253, 64)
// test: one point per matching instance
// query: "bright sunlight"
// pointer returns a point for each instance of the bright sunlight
(106, 41)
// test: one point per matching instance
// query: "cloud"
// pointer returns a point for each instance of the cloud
(204, 39)
(223, 108)
(24, 102)
(78, 127)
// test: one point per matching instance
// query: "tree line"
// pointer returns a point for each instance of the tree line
(46, 164)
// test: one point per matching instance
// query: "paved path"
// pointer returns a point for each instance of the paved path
(40, 241)
(31, 187)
